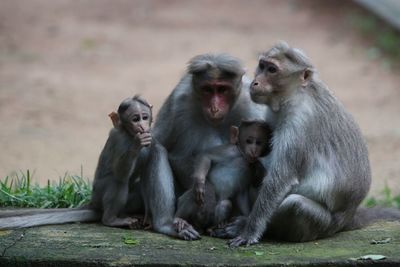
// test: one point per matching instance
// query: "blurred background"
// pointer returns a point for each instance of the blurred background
(64, 65)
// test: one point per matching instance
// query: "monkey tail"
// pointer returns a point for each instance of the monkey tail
(56, 217)
(366, 216)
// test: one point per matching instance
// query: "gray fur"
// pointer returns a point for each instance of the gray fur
(319, 169)
(225, 62)
(54, 217)
(181, 127)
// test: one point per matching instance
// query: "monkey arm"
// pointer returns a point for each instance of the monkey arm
(281, 177)
(213, 155)
(125, 155)
(163, 129)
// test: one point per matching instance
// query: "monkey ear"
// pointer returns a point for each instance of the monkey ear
(306, 76)
(234, 138)
(114, 119)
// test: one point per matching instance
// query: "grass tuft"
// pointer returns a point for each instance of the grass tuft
(70, 191)
(387, 199)
(383, 39)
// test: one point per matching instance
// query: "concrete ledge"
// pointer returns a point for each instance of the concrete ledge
(96, 245)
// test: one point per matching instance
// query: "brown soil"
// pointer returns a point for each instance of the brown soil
(64, 65)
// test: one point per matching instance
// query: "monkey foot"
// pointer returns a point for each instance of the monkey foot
(229, 230)
(134, 223)
(185, 230)
(242, 241)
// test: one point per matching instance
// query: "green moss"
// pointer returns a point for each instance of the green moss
(96, 245)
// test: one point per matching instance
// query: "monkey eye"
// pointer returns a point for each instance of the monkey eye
(145, 117)
(261, 65)
(258, 143)
(248, 141)
(208, 90)
(222, 90)
(136, 118)
(272, 69)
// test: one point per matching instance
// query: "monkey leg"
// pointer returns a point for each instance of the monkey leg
(223, 210)
(114, 202)
(186, 206)
(299, 219)
(135, 203)
(158, 193)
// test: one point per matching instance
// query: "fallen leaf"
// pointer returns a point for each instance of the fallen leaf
(4, 232)
(259, 253)
(370, 257)
(130, 241)
(384, 241)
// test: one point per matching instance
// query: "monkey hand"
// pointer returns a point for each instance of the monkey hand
(242, 240)
(199, 190)
(232, 229)
(245, 237)
(143, 139)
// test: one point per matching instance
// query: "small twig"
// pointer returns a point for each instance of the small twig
(13, 244)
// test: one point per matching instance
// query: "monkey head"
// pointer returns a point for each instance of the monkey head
(135, 115)
(252, 139)
(216, 82)
(281, 71)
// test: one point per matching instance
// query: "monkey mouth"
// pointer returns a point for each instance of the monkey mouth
(258, 97)
(215, 120)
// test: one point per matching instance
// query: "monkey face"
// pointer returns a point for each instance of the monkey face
(264, 88)
(217, 98)
(137, 119)
(253, 142)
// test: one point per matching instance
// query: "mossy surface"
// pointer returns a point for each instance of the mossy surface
(96, 245)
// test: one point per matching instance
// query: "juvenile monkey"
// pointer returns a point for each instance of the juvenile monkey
(319, 170)
(125, 181)
(231, 169)
(118, 161)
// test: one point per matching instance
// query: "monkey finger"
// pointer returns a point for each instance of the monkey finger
(236, 242)
(147, 140)
(145, 143)
(189, 234)
(145, 135)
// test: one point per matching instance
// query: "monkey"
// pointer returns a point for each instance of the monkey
(212, 95)
(126, 181)
(319, 170)
(231, 169)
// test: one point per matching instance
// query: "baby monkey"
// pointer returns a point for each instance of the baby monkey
(126, 182)
(119, 159)
(232, 169)
(126, 179)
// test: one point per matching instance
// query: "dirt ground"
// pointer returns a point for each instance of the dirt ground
(64, 65)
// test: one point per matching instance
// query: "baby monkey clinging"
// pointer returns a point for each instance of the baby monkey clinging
(232, 169)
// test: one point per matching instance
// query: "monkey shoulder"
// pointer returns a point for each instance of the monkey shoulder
(120, 139)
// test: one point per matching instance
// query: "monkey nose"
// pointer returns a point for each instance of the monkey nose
(214, 110)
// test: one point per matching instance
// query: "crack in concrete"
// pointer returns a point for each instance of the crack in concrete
(13, 244)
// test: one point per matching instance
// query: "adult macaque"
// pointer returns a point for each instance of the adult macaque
(211, 96)
(126, 181)
(231, 169)
(319, 170)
